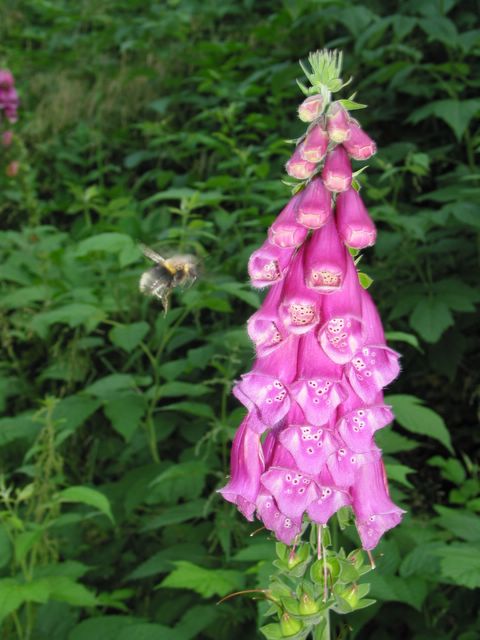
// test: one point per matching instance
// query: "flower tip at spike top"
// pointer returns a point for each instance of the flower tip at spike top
(311, 108)
(338, 123)
(314, 396)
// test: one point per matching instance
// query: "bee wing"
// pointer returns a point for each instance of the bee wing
(150, 253)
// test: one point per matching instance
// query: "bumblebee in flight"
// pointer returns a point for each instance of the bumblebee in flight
(168, 273)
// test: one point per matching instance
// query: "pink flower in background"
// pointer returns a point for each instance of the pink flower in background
(315, 391)
(7, 138)
(12, 169)
(8, 96)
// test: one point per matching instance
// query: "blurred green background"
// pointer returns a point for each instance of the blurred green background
(165, 122)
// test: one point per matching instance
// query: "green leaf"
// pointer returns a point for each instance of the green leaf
(11, 597)
(5, 547)
(178, 389)
(456, 113)
(129, 336)
(399, 472)
(174, 515)
(118, 243)
(430, 318)
(412, 591)
(461, 564)
(125, 411)
(400, 336)
(462, 524)
(205, 582)
(73, 315)
(351, 105)
(184, 480)
(364, 279)
(72, 412)
(411, 415)
(102, 627)
(64, 589)
(163, 561)
(25, 296)
(195, 620)
(88, 496)
(114, 382)
(194, 408)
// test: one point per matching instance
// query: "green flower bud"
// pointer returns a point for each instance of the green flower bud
(307, 606)
(290, 626)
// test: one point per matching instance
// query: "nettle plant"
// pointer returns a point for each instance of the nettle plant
(305, 450)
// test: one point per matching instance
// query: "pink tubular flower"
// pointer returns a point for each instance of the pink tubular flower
(315, 144)
(337, 172)
(358, 144)
(298, 167)
(7, 138)
(12, 169)
(300, 307)
(311, 108)
(341, 336)
(353, 221)
(325, 260)
(286, 231)
(315, 206)
(318, 389)
(314, 396)
(373, 508)
(264, 327)
(267, 265)
(247, 465)
(6, 79)
(338, 123)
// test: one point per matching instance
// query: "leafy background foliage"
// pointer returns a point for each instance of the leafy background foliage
(164, 122)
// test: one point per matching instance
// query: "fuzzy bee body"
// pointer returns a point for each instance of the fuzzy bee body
(168, 273)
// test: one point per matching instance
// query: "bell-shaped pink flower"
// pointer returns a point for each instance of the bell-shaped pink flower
(310, 446)
(318, 388)
(264, 391)
(338, 123)
(300, 306)
(344, 464)
(315, 144)
(6, 79)
(330, 499)
(374, 511)
(353, 221)
(325, 259)
(286, 232)
(286, 529)
(268, 263)
(358, 144)
(374, 365)
(299, 168)
(358, 421)
(315, 205)
(311, 108)
(337, 171)
(247, 465)
(7, 138)
(341, 334)
(264, 327)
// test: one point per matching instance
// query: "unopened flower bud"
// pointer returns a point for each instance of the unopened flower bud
(315, 145)
(290, 626)
(6, 79)
(338, 123)
(350, 594)
(307, 606)
(7, 137)
(354, 224)
(315, 206)
(359, 145)
(286, 231)
(337, 172)
(311, 108)
(299, 168)
(12, 169)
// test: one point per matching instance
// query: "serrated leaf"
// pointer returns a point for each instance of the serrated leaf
(129, 336)
(205, 582)
(414, 417)
(430, 318)
(88, 496)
